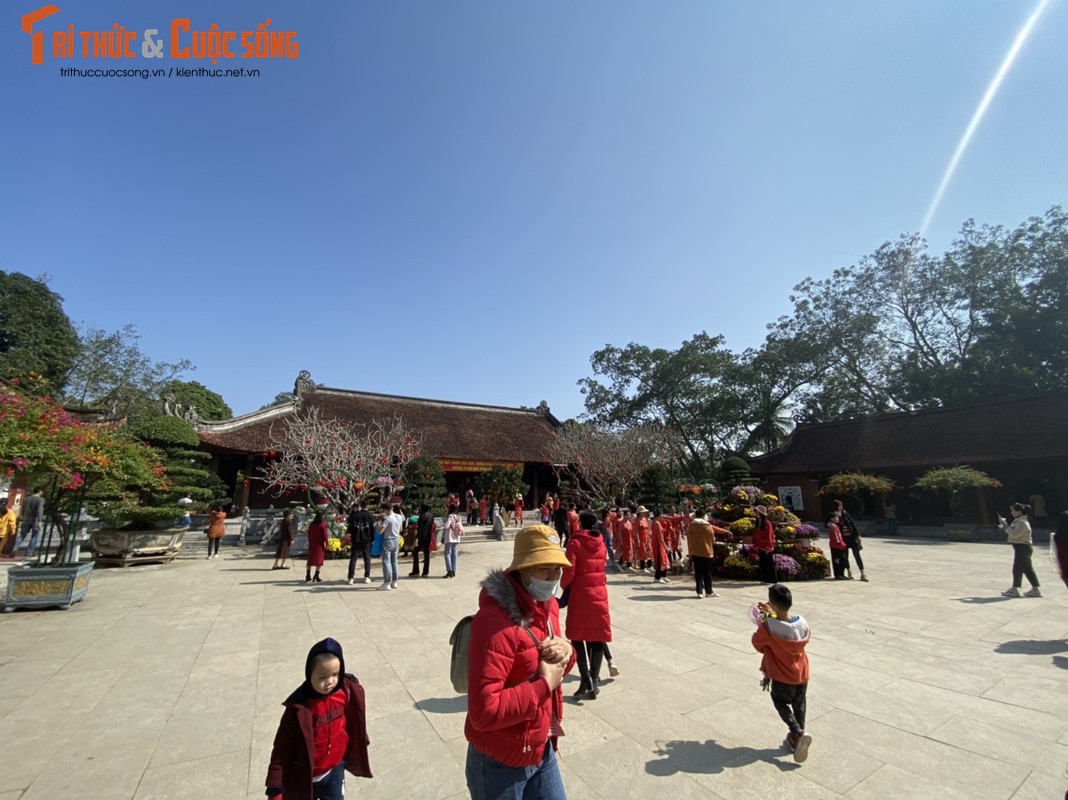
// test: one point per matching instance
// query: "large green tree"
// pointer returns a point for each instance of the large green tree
(904, 329)
(112, 373)
(38, 344)
(688, 390)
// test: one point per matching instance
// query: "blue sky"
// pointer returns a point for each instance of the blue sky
(465, 200)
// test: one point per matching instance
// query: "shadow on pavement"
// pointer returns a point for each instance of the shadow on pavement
(980, 601)
(443, 705)
(659, 597)
(1033, 647)
(710, 758)
(924, 541)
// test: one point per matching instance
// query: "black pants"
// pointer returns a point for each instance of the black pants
(789, 700)
(1021, 565)
(853, 543)
(661, 569)
(425, 550)
(472, 517)
(358, 549)
(839, 562)
(563, 536)
(702, 573)
(767, 567)
(214, 543)
(589, 656)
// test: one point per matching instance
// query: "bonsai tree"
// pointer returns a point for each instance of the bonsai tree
(500, 485)
(734, 471)
(853, 484)
(953, 480)
(187, 471)
(424, 481)
(77, 463)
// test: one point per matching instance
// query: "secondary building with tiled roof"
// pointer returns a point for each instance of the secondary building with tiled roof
(467, 438)
(1021, 441)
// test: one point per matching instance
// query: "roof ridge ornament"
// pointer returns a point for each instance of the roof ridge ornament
(303, 384)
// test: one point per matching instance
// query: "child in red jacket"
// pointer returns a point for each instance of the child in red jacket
(323, 731)
(782, 639)
(839, 548)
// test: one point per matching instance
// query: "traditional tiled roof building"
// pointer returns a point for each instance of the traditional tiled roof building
(1021, 441)
(465, 437)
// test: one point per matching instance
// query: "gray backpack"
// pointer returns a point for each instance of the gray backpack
(460, 639)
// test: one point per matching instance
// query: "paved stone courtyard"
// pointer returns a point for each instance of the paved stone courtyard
(166, 682)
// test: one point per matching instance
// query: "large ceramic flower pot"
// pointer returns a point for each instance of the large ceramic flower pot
(48, 586)
(135, 547)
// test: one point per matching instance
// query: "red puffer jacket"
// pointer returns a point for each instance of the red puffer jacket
(588, 619)
(509, 706)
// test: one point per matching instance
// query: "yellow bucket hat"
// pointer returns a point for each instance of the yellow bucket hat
(537, 546)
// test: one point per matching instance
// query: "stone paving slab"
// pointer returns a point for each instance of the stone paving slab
(166, 682)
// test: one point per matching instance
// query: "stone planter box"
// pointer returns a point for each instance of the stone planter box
(47, 587)
(124, 548)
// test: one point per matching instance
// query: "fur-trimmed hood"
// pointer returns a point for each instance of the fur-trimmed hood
(504, 589)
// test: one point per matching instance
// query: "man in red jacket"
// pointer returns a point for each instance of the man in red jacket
(782, 639)
(516, 663)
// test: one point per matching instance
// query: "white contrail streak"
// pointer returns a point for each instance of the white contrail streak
(977, 117)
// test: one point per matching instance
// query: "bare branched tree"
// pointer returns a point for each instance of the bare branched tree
(339, 460)
(602, 465)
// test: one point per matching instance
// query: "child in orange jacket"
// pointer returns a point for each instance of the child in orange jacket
(782, 638)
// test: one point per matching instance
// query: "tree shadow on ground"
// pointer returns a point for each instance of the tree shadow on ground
(443, 705)
(982, 601)
(1033, 647)
(658, 597)
(710, 758)
(1060, 662)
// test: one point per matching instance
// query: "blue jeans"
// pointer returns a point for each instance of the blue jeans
(332, 787)
(450, 557)
(491, 780)
(389, 563)
(28, 539)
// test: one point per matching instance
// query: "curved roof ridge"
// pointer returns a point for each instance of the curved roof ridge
(420, 400)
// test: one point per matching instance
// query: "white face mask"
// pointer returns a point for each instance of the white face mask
(542, 590)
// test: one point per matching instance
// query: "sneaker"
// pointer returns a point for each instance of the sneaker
(385, 587)
(367, 579)
(393, 585)
(664, 580)
(711, 593)
(700, 595)
(352, 581)
(804, 741)
(1011, 592)
(657, 580)
(1034, 591)
(613, 670)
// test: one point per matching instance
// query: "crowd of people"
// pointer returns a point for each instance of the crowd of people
(518, 653)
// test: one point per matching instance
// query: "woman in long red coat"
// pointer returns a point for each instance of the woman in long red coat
(658, 545)
(589, 623)
(318, 534)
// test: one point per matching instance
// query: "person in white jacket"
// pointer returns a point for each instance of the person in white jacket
(454, 529)
(1019, 533)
